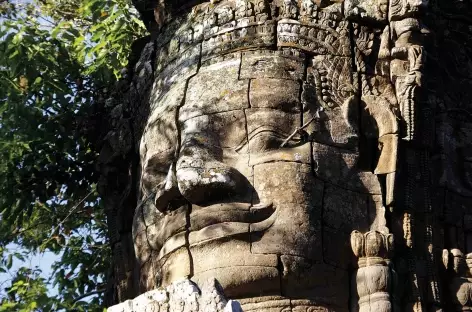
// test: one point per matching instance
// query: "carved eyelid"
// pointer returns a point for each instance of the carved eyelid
(251, 136)
(159, 160)
(266, 133)
(267, 129)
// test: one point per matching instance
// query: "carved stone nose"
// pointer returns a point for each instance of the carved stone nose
(203, 181)
(202, 175)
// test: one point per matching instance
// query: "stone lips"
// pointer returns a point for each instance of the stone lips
(217, 222)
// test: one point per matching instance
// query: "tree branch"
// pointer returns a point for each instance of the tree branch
(95, 292)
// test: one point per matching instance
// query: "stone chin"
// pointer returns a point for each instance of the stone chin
(216, 244)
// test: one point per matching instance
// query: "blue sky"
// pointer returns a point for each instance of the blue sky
(43, 261)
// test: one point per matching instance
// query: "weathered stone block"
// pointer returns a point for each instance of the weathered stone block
(142, 249)
(256, 280)
(332, 128)
(223, 130)
(182, 296)
(210, 255)
(275, 93)
(341, 167)
(215, 89)
(149, 274)
(265, 303)
(269, 128)
(176, 266)
(297, 198)
(336, 249)
(367, 10)
(345, 210)
(322, 283)
(160, 136)
(166, 225)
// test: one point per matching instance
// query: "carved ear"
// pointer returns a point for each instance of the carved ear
(380, 122)
(377, 109)
(350, 111)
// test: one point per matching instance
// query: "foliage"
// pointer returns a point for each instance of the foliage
(56, 58)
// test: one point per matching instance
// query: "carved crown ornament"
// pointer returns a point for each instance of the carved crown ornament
(158, 12)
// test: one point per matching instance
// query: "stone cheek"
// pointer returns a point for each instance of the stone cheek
(345, 210)
(297, 198)
(340, 167)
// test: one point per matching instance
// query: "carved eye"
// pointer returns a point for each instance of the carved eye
(266, 139)
(155, 169)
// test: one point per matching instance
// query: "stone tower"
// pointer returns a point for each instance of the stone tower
(293, 155)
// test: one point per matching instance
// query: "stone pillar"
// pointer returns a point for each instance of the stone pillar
(460, 285)
(373, 276)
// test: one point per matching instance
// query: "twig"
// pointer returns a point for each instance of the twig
(72, 210)
(68, 215)
(95, 292)
(297, 130)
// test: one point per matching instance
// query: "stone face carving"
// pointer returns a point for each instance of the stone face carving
(268, 134)
(234, 154)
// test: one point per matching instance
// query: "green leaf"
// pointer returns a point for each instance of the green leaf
(9, 261)
(14, 54)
